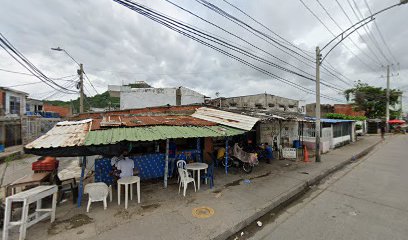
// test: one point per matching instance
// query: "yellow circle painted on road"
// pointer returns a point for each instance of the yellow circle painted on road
(203, 212)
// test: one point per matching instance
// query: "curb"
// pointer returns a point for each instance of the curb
(292, 194)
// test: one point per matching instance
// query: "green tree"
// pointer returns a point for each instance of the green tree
(372, 100)
(103, 100)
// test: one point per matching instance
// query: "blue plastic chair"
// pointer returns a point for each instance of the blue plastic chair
(209, 175)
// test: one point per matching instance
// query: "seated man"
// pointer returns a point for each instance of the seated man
(124, 166)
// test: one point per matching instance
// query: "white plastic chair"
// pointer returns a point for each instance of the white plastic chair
(185, 180)
(97, 192)
(180, 164)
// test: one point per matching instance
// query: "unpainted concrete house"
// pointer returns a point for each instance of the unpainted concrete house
(12, 108)
(153, 97)
(261, 101)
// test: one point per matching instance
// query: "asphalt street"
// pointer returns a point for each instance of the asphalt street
(366, 200)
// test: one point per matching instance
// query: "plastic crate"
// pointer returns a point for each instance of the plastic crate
(48, 164)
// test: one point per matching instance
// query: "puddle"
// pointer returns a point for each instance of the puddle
(261, 176)
(70, 223)
(234, 183)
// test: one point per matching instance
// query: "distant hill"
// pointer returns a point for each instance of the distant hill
(98, 101)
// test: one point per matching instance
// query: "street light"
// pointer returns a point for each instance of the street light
(80, 72)
(319, 61)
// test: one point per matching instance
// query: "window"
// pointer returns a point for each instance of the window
(14, 105)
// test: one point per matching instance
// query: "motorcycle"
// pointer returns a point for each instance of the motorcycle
(239, 159)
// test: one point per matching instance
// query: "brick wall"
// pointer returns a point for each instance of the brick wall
(63, 111)
(347, 109)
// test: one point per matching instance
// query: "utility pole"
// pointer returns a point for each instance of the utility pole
(317, 127)
(81, 88)
(387, 107)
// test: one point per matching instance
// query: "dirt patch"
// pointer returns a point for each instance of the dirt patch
(124, 214)
(150, 207)
(70, 223)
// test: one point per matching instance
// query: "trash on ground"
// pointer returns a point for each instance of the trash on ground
(259, 223)
(242, 234)
(247, 181)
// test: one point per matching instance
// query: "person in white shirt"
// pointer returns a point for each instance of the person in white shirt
(124, 165)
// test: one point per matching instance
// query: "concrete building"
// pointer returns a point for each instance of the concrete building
(34, 106)
(12, 109)
(12, 102)
(152, 97)
(260, 101)
(324, 109)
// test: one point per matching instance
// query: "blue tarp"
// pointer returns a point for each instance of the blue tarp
(328, 120)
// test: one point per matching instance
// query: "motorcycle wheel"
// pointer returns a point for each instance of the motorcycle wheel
(230, 162)
(247, 167)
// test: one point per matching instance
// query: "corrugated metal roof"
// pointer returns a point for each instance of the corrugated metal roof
(115, 135)
(137, 121)
(226, 118)
(64, 134)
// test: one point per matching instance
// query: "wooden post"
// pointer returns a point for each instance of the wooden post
(226, 155)
(166, 164)
(198, 150)
(81, 182)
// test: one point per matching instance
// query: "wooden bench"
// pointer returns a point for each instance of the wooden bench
(27, 197)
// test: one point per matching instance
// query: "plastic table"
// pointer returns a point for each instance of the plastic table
(128, 182)
(26, 197)
(197, 166)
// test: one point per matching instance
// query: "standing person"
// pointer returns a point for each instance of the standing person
(269, 153)
(172, 156)
(382, 128)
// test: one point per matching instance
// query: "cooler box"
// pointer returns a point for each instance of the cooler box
(297, 144)
(48, 164)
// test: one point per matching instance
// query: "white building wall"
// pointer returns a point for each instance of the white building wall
(22, 102)
(152, 97)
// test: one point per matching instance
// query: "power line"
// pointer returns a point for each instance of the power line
(33, 83)
(20, 58)
(328, 29)
(270, 30)
(358, 32)
(28, 74)
(86, 76)
(366, 29)
(279, 67)
(199, 36)
(350, 39)
(380, 33)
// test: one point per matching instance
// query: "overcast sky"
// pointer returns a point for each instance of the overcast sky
(117, 45)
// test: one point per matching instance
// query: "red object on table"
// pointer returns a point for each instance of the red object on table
(46, 164)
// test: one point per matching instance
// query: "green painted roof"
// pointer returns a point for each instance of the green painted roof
(136, 134)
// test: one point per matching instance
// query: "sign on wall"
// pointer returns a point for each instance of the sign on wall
(289, 153)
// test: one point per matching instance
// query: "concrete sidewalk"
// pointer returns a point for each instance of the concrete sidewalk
(163, 214)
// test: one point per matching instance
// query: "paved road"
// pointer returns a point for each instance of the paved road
(366, 200)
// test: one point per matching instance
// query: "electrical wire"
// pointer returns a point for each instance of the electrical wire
(332, 33)
(380, 33)
(358, 32)
(270, 30)
(279, 67)
(366, 29)
(20, 58)
(177, 27)
(376, 60)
